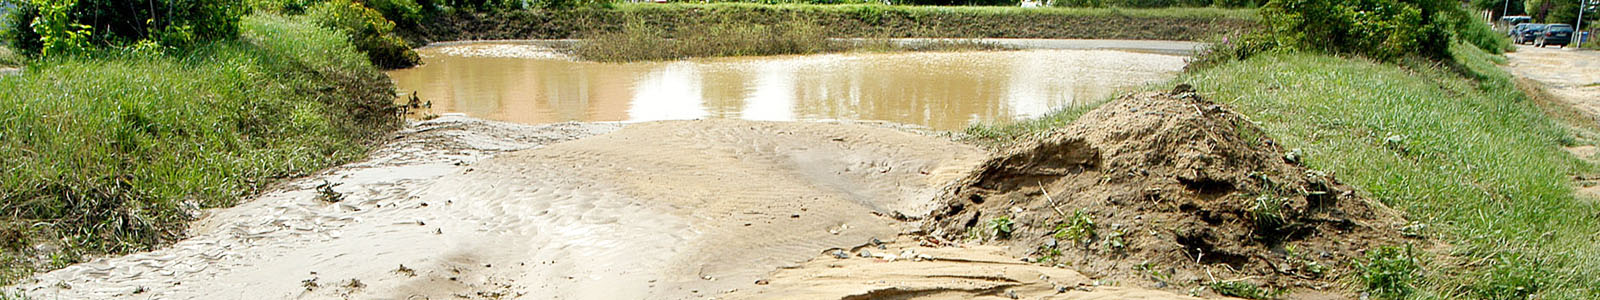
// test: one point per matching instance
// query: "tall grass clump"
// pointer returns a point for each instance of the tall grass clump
(114, 153)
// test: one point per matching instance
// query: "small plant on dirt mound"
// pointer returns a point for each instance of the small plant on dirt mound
(1175, 183)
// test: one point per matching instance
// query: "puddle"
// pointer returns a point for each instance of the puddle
(525, 83)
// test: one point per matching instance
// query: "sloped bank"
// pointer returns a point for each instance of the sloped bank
(1169, 190)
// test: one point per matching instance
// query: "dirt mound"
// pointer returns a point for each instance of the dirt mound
(1167, 190)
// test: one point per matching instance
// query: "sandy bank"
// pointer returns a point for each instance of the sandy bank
(675, 209)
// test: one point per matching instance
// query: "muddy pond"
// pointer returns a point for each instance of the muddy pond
(526, 83)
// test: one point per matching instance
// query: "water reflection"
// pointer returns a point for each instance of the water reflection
(939, 90)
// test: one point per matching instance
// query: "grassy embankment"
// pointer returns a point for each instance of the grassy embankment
(655, 31)
(1458, 148)
(114, 152)
(845, 21)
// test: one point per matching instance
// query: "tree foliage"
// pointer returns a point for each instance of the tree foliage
(368, 30)
(65, 26)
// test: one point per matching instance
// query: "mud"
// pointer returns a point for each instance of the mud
(464, 208)
(1168, 191)
(460, 208)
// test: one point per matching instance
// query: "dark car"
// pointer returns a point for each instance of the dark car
(1511, 22)
(1527, 32)
(1554, 34)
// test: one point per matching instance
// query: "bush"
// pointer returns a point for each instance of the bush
(368, 31)
(75, 25)
(1381, 29)
(404, 13)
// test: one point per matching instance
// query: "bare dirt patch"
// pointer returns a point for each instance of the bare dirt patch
(1168, 190)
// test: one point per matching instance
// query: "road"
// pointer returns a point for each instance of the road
(1571, 75)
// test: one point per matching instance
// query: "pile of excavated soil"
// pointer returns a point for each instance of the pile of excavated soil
(1168, 190)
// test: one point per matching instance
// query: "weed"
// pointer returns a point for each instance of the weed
(1001, 227)
(1243, 289)
(1150, 270)
(325, 192)
(1079, 229)
(1299, 262)
(1390, 272)
(1049, 253)
(1114, 241)
(1267, 212)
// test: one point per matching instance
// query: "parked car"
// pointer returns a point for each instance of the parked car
(1554, 34)
(1527, 32)
(1510, 23)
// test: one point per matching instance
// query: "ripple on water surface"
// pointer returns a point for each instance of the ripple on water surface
(531, 84)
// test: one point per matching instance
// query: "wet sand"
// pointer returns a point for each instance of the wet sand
(463, 208)
(676, 209)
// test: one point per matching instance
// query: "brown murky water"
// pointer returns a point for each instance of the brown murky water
(527, 84)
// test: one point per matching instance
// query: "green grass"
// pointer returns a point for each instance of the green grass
(1456, 146)
(113, 153)
(847, 21)
(1468, 154)
(9, 58)
(1390, 272)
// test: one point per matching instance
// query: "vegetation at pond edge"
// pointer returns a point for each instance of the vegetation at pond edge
(840, 21)
(82, 27)
(638, 41)
(111, 147)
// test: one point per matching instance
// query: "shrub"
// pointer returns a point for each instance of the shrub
(404, 13)
(368, 31)
(1381, 29)
(64, 26)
